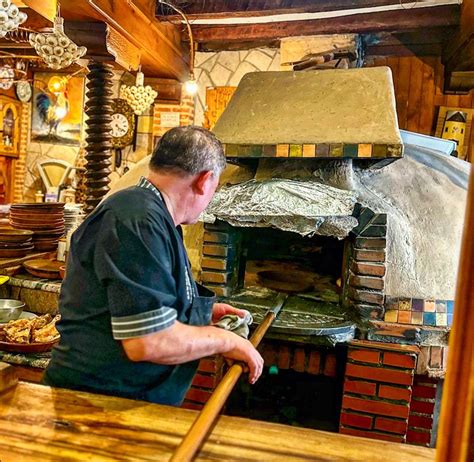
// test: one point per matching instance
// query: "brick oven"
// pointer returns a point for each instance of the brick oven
(360, 344)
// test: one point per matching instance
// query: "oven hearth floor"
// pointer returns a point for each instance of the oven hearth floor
(311, 317)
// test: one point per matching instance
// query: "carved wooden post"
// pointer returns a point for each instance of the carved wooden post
(99, 134)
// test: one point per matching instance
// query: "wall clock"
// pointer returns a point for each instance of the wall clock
(123, 124)
(23, 91)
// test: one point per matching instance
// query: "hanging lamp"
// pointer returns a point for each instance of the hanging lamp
(138, 96)
(10, 17)
(55, 48)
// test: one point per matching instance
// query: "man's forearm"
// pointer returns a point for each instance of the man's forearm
(179, 344)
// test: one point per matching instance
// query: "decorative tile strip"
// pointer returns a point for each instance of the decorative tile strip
(418, 311)
(321, 150)
(32, 282)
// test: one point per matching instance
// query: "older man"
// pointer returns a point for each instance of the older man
(134, 322)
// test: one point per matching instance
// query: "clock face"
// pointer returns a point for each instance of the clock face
(119, 124)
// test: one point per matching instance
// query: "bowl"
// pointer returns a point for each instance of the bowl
(10, 309)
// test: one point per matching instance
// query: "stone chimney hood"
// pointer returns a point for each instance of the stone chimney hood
(340, 113)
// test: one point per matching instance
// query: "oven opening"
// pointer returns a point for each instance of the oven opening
(287, 262)
(288, 397)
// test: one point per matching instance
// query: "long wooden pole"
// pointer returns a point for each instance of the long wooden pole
(207, 417)
(456, 420)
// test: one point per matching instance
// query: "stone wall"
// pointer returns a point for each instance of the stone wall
(226, 68)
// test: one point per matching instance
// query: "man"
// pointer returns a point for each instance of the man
(134, 322)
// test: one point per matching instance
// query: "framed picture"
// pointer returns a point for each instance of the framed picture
(448, 121)
(57, 109)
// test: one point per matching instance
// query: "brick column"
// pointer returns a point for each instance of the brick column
(364, 287)
(377, 390)
(20, 162)
(422, 423)
(221, 259)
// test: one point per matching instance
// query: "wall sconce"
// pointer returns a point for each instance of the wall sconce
(10, 17)
(190, 86)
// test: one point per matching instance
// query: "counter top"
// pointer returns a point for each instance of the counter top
(40, 423)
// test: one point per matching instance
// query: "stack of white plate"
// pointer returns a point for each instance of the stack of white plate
(73, 216)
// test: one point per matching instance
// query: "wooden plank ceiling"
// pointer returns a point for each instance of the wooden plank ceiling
(389, 27)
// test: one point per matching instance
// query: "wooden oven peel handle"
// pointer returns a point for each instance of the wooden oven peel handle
(204, 422)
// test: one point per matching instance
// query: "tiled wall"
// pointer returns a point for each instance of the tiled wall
(417, 311)
(377, 390)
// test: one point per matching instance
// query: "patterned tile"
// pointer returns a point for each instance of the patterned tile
(350, 150)
(417, 304)
(335, 150)
(417, 318)
(429, 306)
(450, 306)
(364, 150)
(429, 319)
(450, 319)
(391, 303)
(404, 304)
(404, 317)
(296, 150)
(391, 316)
(322, 150)
(379, 150)
(309, 150)
(441, 306)
(282, 150)
(441, 319)
(269, 150)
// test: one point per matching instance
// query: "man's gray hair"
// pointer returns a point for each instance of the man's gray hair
(188, 150)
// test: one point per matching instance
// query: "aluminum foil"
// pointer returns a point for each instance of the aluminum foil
(303, 207)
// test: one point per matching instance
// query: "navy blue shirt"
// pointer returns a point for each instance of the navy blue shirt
(128, 275)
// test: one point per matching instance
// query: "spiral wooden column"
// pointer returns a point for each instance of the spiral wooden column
(99, 133)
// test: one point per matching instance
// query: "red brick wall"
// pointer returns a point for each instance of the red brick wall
(207, 377)
(377, 390)
(185, 109)
(299, 358)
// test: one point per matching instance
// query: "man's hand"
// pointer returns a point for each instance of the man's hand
(221, 309)
(245, 352)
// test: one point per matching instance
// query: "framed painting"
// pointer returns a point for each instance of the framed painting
(57, 109)
(463, 151)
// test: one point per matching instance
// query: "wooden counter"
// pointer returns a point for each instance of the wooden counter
(39, 423)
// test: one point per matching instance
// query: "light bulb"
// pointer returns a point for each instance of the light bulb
(191, 87)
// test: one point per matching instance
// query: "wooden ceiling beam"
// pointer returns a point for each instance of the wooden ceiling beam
(159, 44)
(215, 9)
(393, 21)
